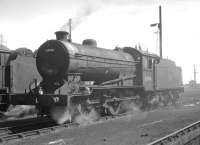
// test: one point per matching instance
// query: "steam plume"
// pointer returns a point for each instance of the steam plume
(84, 11)
(88, 7)
(132, 110)
(20, 111)
(62, 114)
(74, 114)
(86, 118)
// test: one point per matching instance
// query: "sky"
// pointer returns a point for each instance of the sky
(29, 23)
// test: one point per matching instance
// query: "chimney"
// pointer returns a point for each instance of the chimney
(62, 35)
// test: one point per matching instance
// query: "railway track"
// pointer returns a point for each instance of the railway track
(189, 135)
(14, 129)
(11, 131)
(28, 129)
(7, 135)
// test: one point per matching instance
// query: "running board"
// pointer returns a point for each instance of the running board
(93, 102)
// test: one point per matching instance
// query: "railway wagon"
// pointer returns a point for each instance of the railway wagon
(17, 73)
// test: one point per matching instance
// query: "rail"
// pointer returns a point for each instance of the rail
(34, 128)
(188, 135)
(8, 135)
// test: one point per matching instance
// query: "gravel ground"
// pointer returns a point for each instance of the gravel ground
(136, 129)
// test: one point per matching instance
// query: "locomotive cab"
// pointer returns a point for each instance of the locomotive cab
(145, 69)
(148, 69)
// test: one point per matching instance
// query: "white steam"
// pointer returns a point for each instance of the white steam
(132, 110)
(74, 114)
(86, 118)
(20, 111)
(61, 114)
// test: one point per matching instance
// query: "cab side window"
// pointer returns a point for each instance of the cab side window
(148, 62)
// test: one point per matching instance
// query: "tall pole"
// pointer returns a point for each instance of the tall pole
(1, 39)
(70, 30)
(159, 25)
(160, 30)
(195, 79)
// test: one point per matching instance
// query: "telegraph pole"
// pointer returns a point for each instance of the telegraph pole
(70, 30)
(160, 30)
(159, 25)
(195, 74)
(1, 39)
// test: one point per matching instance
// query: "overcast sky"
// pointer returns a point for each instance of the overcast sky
(28, 23)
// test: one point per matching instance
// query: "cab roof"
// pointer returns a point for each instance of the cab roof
(143, 52)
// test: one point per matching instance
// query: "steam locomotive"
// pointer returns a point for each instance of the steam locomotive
(85, 75)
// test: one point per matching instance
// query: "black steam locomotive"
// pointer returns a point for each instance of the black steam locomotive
(85, 75)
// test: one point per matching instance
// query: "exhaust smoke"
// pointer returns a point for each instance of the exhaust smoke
(132, 110)
(20, 111)
(83, 12)
(61, 114)
(74, 114)
(86, 118)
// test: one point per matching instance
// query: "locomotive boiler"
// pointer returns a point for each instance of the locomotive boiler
(58, 58)
(69, 69)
